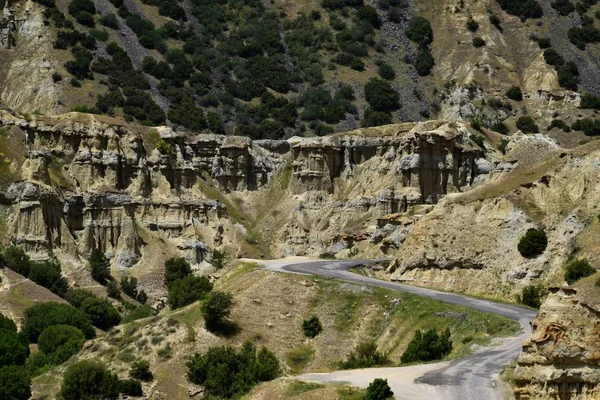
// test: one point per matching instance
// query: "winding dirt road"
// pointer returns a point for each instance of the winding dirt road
(473, 378)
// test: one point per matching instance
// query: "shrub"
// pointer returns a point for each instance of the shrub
(312, 326)
(41, 316)
(137, 313)
(100, 266)
(424, 62)
(544, 43)
(60, 342)
(532, 296)
(522, 8)
(590, 127)
(48, 274)
(131, 387)
(478, 42)
(129, 286)
(141, 370)
(225, 372)
(563, 7)
(15, 383)
(376, 118)
(17, 260)
(577, 269)
(176, 268)
(495, 20)
(386, 71)
(420, 32)
(527, 124)
(472, 25)
(113, 290)
(7, 323)
(379, 390)
(364, 356)
(13, 349)
(216, 309)
(101, 312)
(428, 346)
(110, 21)
(533, 243)
(89, 380)
(552, 58)
(590, 101)
(381, 96)
(500, 127)
(56, 336)
(219, 258)
(514, 93)
(188, 290)
(502, 146)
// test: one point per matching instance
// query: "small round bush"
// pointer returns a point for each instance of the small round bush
(514, 93)
(578, 269)
(527, 124)
(532, 296)
(58, 336)
(478, 42)
(89, 380)
(131, 387)
(141, 370)
(379, 390)
(41, 316)
(533, 243)
(312, 327)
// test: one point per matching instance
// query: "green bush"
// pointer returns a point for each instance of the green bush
(131, 387)
(379, 390)
(100, 266)
(381, 96)
(472, 25)
(59, 342)
(14, 350)
(590, 101)
(41, 316)
(420, 32)
(227, 373)
(17, 260)
(216, 309)
(522, 8)
(88, 380)
(312, 326)
(176, 268)
(386, 71)
(527, 124)
(376, 118)
(137, 313)
(589, 127)
(533, 243)
(563, 7)
(424, 62)
(112, 290)
(532, 296)
(7, 323)
(188, 290)
(500, 127)
(15, 383)
(219, 258)
(365, 355)
(428, 346)
(577, 269)
(478, 42)
(514, 93)
(141, 370)
(544, 43)
(101, 312)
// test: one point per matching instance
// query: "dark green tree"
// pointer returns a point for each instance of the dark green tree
(101, 312)
(381, 96)
(428, 346)
(13, 349)
(188, 290)
(514, 93)
(365, 355)
(216, 308)
(15, 383)
(141, 370)
(41, 316)
(17, 260)
(7, 323)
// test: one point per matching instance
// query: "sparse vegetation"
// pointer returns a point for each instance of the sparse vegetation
(100, 266)
(527, 124)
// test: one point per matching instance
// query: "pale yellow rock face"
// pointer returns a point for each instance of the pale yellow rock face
(561, 359)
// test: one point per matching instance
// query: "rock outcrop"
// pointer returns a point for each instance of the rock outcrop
(561, 358)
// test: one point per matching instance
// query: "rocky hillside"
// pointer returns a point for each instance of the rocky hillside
(277, 69)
